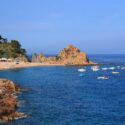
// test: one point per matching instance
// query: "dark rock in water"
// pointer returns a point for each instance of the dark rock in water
(8, 102)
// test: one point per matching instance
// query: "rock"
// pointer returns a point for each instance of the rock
(41, 58)
(34, 58)
(68, 56)
(38, 58)
(72, 56)
(7, 85)
(8, 102)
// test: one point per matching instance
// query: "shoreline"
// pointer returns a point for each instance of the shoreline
(13, 65)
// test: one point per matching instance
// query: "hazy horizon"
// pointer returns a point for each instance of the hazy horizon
(95, 27)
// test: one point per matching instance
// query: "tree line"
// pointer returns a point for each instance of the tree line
(11, 49)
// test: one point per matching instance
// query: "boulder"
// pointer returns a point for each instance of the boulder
(8, 101)
(8, 86)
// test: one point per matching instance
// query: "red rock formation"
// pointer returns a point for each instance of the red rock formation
(68, 56)
(8, 102)
(72, 56)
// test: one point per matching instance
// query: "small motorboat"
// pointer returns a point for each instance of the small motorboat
(115, 72)
(104, 68)
(81, 70)
(112, 68)
(103, 77)
(95, 68)
(123, 68)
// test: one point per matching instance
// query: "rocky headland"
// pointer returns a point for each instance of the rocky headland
(68, 56)
(8, 101)
(12, 56)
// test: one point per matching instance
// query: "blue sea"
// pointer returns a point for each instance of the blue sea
(59, 96)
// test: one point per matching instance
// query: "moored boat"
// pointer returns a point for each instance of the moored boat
(105, 68)
(95, 68)
(81, 70)
(112, 68)
(103, 77)
(115, 72)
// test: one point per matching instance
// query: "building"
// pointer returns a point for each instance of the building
(3, 59)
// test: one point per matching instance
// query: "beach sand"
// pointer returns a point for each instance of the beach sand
(13, 65)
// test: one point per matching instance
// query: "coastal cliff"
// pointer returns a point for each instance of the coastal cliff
(68, 56)
(8, 101)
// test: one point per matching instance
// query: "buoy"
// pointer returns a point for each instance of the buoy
(81, 75)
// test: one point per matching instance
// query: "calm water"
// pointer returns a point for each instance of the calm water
(58, 96)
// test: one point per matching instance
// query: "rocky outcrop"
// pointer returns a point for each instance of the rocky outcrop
(68, 56)
(38, 58)
(34, 58)
(8, 101)
(72, 56)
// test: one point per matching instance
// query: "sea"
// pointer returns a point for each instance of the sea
(61, 96)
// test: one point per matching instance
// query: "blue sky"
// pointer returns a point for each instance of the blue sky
(47, 26)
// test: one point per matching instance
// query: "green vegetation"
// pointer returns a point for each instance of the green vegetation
(11, 49)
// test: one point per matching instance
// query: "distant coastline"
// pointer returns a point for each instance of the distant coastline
(12, 56)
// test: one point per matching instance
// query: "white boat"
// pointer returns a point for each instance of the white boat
(95, 68)
(115, 72)
(103, 77)
(104, 68)
(112, 68)
(81, 70)
(123, 68)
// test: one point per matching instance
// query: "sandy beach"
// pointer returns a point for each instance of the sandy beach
(13, 65)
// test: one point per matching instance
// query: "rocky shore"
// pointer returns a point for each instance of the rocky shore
(68, 56)
(8, 101)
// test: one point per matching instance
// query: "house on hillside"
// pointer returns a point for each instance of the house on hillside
(3, 40)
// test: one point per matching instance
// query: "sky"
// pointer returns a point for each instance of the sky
(47, 26)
